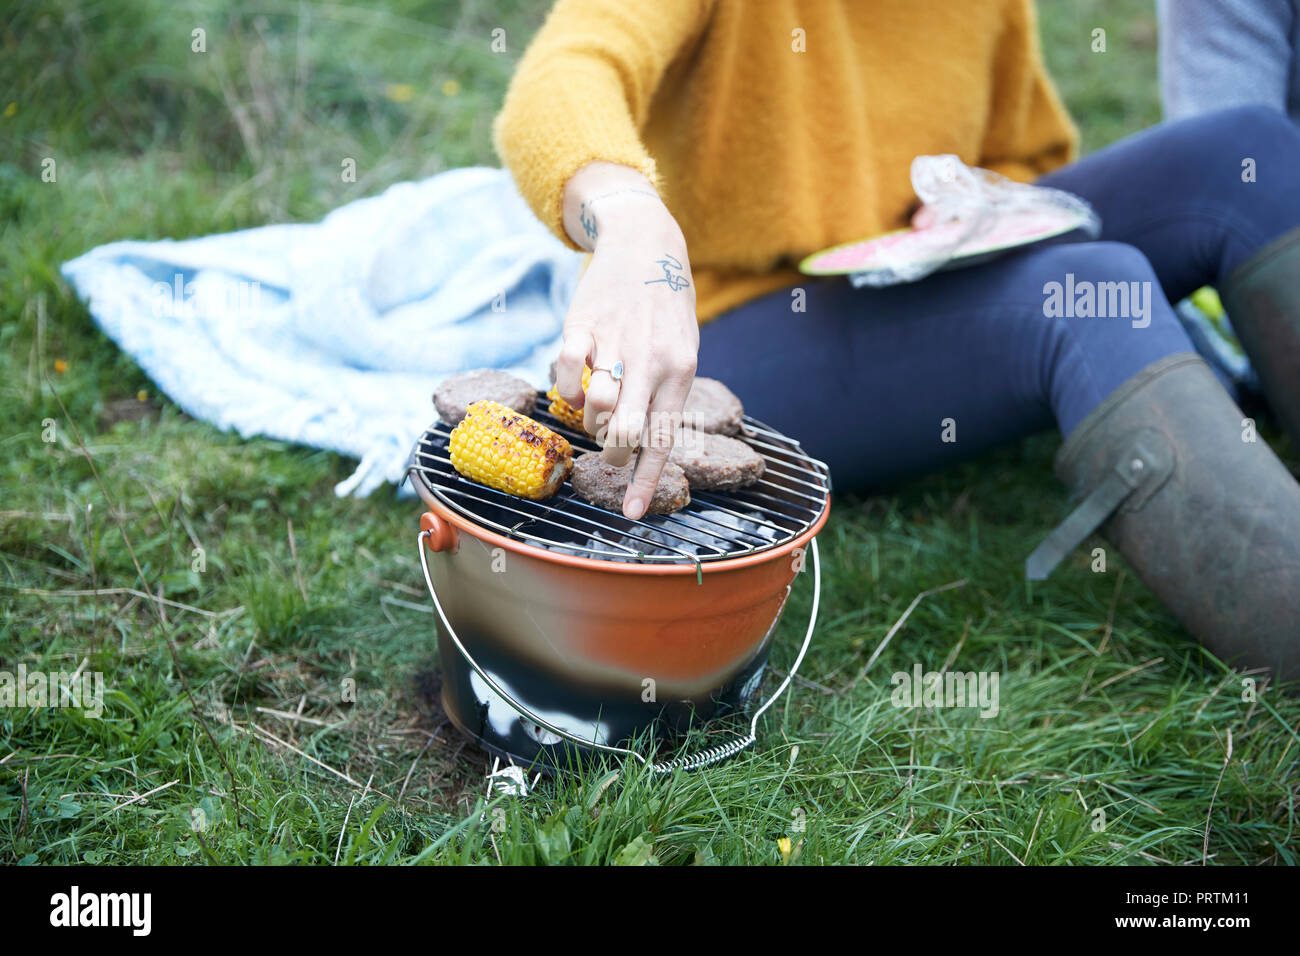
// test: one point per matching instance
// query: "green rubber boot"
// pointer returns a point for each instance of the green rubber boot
(1209, 518)
(1262, 297)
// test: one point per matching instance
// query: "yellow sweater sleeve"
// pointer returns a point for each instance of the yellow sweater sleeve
(582, 91)
(1029, 132)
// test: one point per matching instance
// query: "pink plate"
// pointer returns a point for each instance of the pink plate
(907, 247)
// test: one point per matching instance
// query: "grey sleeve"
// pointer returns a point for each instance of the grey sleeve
(1218, 53)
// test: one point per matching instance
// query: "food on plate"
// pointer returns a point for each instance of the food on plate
(563, 410)
(712, 407)
(603, 484)
(504, 449)
(715, 462)
(453, 396)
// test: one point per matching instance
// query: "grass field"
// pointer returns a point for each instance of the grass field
(223, 706)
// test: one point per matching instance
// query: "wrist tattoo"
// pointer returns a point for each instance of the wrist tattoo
(587, 215)
(588, 221)
(673, 277)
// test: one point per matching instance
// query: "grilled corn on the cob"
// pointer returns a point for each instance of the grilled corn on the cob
(563, 410)
(503, 449)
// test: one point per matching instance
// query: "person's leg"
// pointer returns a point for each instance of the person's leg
(938, 370)
(1198, 196)
(1201, 508)
(876, 382)
(1215, 200)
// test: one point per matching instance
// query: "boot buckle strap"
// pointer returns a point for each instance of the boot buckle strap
(1139, 471)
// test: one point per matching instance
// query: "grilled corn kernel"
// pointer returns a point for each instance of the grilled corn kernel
(498, 447)
(563, 410)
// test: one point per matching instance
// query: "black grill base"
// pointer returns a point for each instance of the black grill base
(665, 723)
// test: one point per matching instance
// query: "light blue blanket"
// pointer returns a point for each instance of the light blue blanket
(334, 334)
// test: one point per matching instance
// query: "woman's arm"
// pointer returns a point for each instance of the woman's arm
(569, 132)
(583, 89)
(635, 304)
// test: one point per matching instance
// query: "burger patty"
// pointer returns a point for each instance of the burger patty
(605, 485)
(716, 462)
(455, 393)
(712, 407)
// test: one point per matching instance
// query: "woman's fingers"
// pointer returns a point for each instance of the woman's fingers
(577, 346)
(627, 423)
(602, 396)
(660, 427)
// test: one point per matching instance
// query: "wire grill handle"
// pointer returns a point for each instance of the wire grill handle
(695, 761)
(705, 758)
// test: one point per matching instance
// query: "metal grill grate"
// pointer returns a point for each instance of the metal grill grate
(790, 497)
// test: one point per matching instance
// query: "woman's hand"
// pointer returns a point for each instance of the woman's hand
(635, 304)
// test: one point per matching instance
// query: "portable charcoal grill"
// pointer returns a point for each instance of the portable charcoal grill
(576, 626)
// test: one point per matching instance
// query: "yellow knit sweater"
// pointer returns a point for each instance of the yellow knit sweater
(776, 128)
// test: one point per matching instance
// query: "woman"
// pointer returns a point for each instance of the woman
(754, 132)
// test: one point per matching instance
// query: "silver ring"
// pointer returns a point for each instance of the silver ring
(616, 373)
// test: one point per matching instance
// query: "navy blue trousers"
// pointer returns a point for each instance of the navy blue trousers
(885, 383)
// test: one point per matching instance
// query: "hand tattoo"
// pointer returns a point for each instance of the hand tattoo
(673, 277)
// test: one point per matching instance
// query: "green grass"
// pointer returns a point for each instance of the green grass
(1105, 704)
